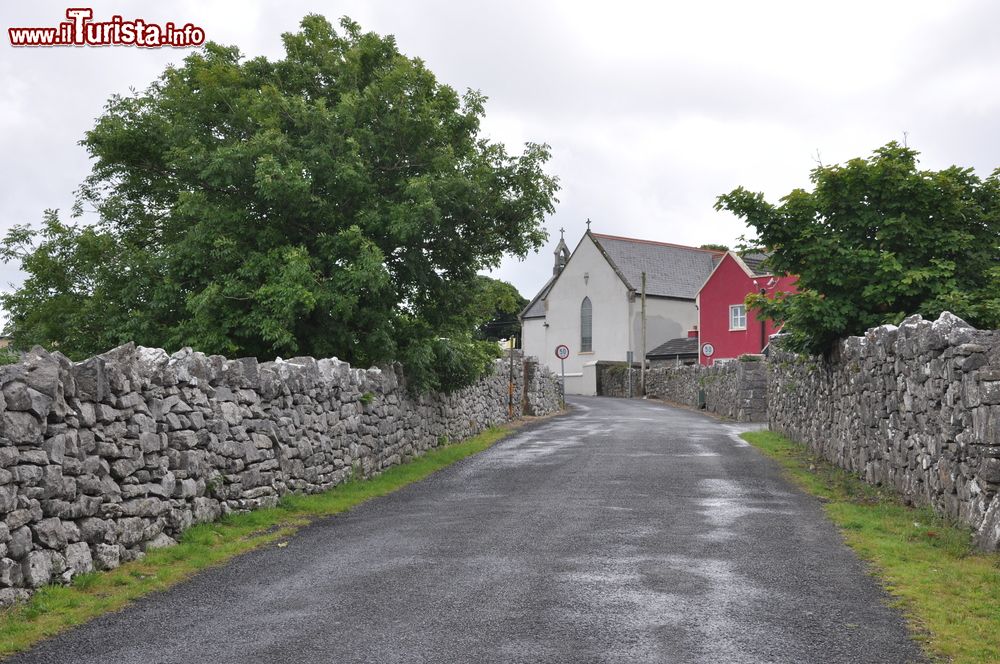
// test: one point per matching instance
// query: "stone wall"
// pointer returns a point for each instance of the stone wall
(104, 459)
(542, 391)
(613, 379)
(675, 384)
(736, 390)
(916, 408)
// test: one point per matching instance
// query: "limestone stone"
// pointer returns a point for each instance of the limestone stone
(10, 573)
(94, 530)
(161, 541)
(8, 497)
(78, 558)
(106, 556)
(129, 531)
(37, 569)
(19, 397)
(22, 428)
(55, 448)
(49, 533)
(20, 543)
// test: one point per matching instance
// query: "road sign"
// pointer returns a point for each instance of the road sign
(708, 350)
(562, 352)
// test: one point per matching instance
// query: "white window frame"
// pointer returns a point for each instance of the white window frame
(737, 313)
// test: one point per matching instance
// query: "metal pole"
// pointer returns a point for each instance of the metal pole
(629, 360)
(510, 382)
(642, 358)
(763, 326)
(562, 368)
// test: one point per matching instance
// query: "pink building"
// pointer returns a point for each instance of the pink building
(726, 329)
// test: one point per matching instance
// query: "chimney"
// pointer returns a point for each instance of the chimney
(693, 333)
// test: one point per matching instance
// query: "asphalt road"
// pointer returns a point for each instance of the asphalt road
(627, 531)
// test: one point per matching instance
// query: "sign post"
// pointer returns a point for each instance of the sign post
(562, 352)
(629, 360)
(510, 380)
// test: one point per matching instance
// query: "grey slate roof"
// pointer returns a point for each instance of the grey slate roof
(536, 308)
(757, 262)
(671, 270)
(682, 346)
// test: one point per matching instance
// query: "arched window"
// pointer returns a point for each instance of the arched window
(586, 326)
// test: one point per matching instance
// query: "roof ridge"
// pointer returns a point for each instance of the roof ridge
(662, 244)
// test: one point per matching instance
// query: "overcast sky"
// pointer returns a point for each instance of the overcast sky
(652, 109)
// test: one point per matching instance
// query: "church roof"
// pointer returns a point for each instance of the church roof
(536, 308)
(672, 270)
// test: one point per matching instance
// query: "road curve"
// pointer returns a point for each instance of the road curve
(627, 531)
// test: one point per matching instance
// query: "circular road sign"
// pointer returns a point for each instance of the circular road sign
(562, 351)
(708, 350)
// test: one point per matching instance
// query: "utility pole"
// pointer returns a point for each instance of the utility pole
(510, 382)
(763, 326)
(642, 358)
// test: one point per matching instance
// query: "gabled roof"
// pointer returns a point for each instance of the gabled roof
(672, 270)
(536, 308)
(680, 347)
(753, 264)
(756, 263)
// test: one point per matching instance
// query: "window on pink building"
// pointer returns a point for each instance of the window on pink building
(738, 317)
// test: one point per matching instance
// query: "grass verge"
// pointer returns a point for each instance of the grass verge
(949, 591)
(56, 608)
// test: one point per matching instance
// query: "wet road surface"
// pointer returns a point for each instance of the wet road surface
(627, 531)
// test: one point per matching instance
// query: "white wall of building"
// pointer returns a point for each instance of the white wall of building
(665, 320)
(533, 333)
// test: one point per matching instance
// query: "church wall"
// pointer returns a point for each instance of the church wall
(665, 320)
(609, 298)
(533, 334)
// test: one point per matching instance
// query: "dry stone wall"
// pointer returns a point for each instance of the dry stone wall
(613, 379)
(104, 459)
(736, 390)
(916, 408)
(677, 384)
(542, 391)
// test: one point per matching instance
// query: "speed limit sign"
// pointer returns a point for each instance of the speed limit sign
(562, 352)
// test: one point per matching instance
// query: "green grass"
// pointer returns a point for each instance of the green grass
(55, 608)
(949, 592)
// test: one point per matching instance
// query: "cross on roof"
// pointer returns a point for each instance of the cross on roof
(588, 223)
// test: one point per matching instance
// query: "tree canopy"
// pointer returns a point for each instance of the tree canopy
(339, 201)
(501, 305)
(875, 240)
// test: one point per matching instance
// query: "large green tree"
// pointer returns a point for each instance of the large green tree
(499, 306)
(338, 201)
(878, 239)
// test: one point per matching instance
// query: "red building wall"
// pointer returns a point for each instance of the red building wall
(728, 285)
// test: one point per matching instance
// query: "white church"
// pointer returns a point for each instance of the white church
(593, 304)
